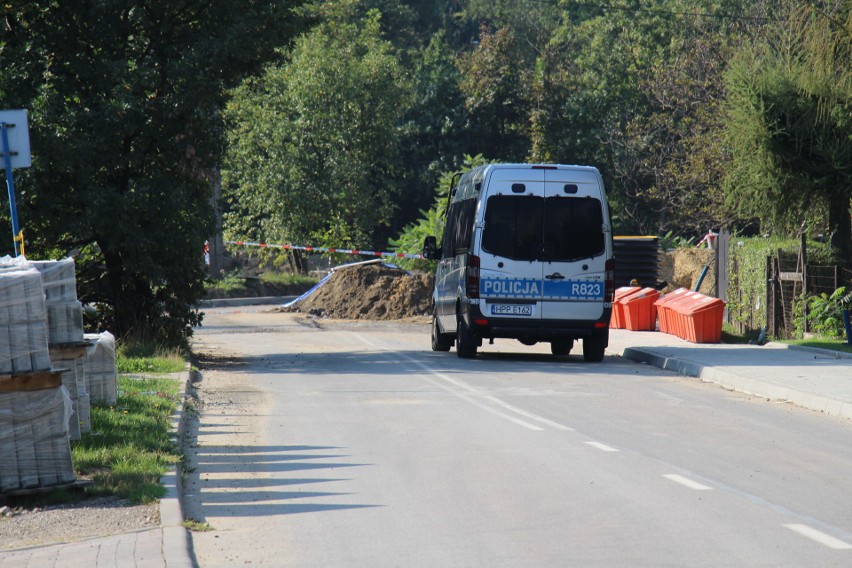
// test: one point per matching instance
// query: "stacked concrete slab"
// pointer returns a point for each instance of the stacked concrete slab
(34, 406)
(65, 336)
(99, 365)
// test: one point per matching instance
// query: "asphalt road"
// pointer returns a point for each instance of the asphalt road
(323, 444)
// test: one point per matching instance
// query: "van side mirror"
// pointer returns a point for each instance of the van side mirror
(430, 248)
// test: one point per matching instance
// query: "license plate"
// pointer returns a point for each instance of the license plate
(511, 310)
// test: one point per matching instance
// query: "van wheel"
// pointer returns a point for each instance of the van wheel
(593, 347)
(440, 341)
(561, 346)
(465, 344)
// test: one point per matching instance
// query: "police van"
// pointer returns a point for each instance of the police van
(526, 254)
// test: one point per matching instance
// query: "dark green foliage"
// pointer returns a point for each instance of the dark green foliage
(789, 125)
(315, 146)
(124, 99)
(825, 313)
(342, 118)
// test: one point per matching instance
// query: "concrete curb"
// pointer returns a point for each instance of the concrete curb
(239, 302)
(817, 350)
(177, 545)
(740, 383)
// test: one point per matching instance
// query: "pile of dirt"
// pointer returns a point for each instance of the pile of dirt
(372, 292)
(682, 268)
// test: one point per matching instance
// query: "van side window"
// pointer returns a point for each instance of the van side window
(573, 228)
(459, 228)
(513, 226)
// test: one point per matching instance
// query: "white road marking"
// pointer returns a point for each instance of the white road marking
(820, 537)
(686, 482)
(487, 407)
(476, 397)
(602, 447)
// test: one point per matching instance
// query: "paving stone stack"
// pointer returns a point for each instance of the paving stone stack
(64, 311)
(65, 336)
(23, 330)
(34, 446)
(34, 406)
(100, 373)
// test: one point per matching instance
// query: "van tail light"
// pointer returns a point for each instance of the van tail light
(472, 280)
(609, 280)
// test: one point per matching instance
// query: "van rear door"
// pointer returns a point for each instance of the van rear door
(510, 274)
(575, 237)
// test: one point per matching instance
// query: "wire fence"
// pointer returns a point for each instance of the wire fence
(777, 307)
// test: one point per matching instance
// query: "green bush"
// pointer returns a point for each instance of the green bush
(825, 314)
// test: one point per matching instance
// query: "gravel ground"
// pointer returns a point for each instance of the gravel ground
(102, 516)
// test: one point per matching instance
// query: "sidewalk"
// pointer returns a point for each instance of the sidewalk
(816, 379)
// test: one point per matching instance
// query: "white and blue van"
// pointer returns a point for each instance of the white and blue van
(526, 254)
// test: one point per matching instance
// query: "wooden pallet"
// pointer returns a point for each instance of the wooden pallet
(64, 351)
(76, 485)
(38, 380)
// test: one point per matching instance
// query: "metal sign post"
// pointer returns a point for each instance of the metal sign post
(15, 134)
(10, 183)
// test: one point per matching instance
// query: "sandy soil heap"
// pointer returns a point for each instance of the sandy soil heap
(370, 291)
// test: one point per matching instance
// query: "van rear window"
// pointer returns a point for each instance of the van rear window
(526, 227)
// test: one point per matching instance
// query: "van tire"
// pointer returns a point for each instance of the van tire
(561, 346)
(465, 344)
(440, 341)
(594, 347)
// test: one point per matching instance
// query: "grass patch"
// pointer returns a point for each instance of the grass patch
(197, 526)
(270, 283)
(230, 285)
(135, 365)
(130, 447)
(288, 279)
(730, 335)
(142, 357)
(822, 343)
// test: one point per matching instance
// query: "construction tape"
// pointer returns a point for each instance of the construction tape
(324, 249)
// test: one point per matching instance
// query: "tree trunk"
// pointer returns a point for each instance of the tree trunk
(130, 297)
(298, 262)
(840, 225)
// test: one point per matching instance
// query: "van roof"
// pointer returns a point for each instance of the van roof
(471, 182)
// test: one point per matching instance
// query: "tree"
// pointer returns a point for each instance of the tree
(314, 154)
(493, 83)
(125, 101)
(435, 132)
(789, 124)
(671, 159)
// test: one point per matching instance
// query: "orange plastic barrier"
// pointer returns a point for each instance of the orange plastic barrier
(681, 310)
(700, 318)
(706, 320)
(618, 321)
(639, 310)
(665, 311)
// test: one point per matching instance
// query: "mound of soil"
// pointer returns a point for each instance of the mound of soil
(682, 268)
(372, 292)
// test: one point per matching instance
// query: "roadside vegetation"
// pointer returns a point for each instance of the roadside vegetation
(271, 283)
(821, 343)
(335, 125)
